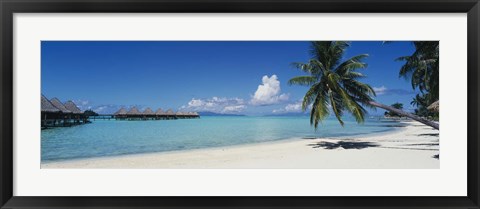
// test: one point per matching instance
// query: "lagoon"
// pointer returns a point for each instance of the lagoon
(114, 137)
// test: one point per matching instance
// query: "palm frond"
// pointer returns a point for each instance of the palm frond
(302, 80)
(336, 111)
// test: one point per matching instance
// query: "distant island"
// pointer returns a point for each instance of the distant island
(217, 114)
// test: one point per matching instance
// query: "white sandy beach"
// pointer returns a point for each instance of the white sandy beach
(413, 146)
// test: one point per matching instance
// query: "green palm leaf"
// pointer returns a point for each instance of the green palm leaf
(334, 85)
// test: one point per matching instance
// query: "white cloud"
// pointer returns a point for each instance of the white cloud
(100, 109)
(268, 92)
(384, 90)
(380, 90)
(291, 108)
(195, 103)
(236, 108)
(297, 107)
(83, 104)
(215, 104)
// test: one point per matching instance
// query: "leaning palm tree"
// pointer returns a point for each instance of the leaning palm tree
(334, 85)
(422, 67)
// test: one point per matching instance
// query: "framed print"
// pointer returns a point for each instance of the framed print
(264, 104)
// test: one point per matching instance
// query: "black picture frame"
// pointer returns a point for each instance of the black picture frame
(9, 7)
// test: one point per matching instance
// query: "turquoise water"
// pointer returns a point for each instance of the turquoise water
(111, 137)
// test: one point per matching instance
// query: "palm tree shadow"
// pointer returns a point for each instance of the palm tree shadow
(429, 134)
(344, 145)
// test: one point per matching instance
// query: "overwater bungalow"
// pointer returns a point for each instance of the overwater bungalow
(121, 114)
(65, 118)
(59, 105)
(187, 115)
(170, 114)
(159, 114)
(133, 111)
(49, 113)
(56, 114)
(133, 114)
(179, 114)
(77, 114)
(148, 114)
(194, 114)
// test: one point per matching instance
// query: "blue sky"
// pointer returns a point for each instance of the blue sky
(247, 77)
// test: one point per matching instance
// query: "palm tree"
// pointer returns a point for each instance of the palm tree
(422, 67)
(334, 85)
(396, 105)
(420, 101)
(417, 101)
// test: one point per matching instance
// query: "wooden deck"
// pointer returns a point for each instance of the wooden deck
(154, 117)
(141, 117)
(50, 120)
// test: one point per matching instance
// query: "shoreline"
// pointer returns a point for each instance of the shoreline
(378, 133)
(373, 149)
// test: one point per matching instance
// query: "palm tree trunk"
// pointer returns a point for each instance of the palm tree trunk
(406, 114)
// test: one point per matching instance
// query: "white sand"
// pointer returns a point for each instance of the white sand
(413, 146)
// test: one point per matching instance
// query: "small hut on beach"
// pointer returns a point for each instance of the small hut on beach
(434, 106)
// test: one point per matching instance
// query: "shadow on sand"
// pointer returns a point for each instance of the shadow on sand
(344, 145)
(434, 134)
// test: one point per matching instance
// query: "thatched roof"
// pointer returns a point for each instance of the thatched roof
(72, 107)
(59, 105)
(121, 111)
(169, 112)
(159, 112)
(134, 111)
(434, 106)
(47, 106)
(179, 113)
(148, 111)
